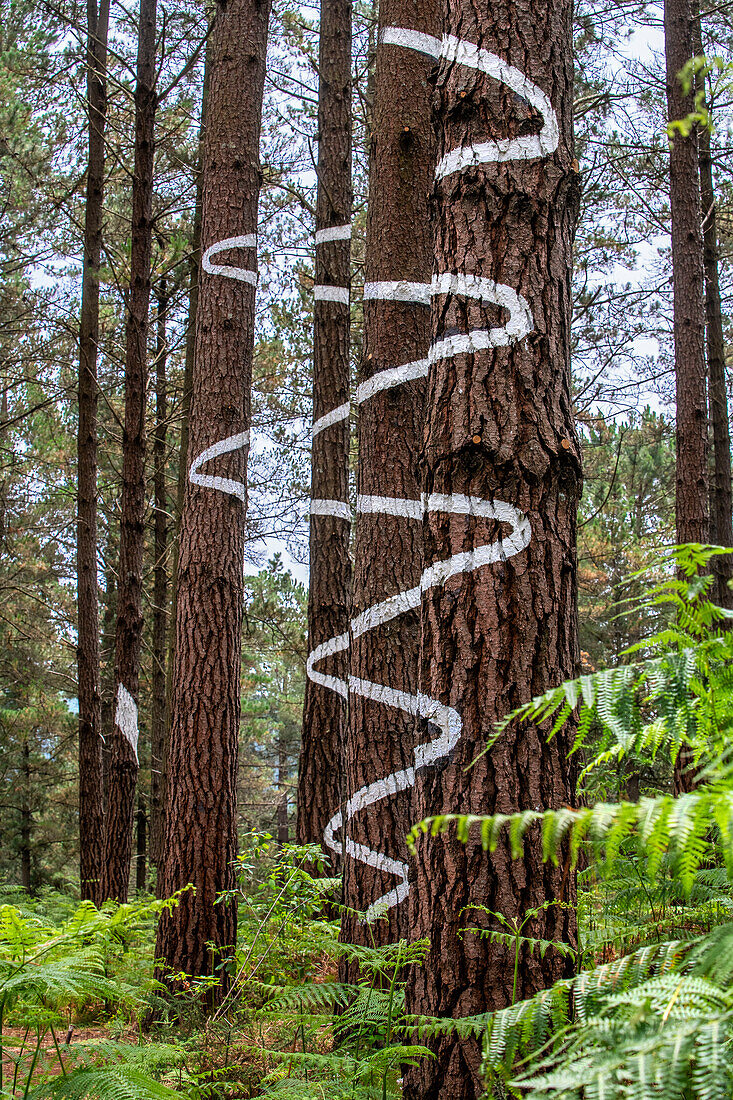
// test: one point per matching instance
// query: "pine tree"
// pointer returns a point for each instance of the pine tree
(91, 794)
(200, 829)
(501, 478)
(385, 634)
(123, 759)
(324, 712)
(687, 276)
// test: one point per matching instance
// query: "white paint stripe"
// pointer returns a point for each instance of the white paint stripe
(398, 291)
(223, 484)
(126, 717)
(390, 506)
(338, 294)
(335, 416)
(520, 324)
(336, 508)
(328, 649)
(393, 376)
(525, 147)
(411, 40)
(239, 273)
(333, 233)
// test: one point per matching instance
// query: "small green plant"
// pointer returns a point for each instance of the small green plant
(49, 971)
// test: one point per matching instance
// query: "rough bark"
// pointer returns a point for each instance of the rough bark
(200, 836)
(501, 477)
(26, 821)
(160, 580)
(687, 274)
(691, 490)
(128, 635)
(194, 263)
(283, 828)
(721, 497)
(320, 771)
(141, 855)
(91, 786)
(388, 531)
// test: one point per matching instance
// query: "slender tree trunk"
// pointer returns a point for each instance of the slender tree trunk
(691, 495)
(107, 650)
(200, 837)
(283, 831)
(501, 477)
(128, 635)
(721, 497)
(320, 773)
(26, 821)
(385, 636)
(687, 271)
(141, 856)
(160, 580)
(91, 787)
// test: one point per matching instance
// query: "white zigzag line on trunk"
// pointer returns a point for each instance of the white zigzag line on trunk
(525, 147)
(223, 484)
(519, 325)
(240, 273)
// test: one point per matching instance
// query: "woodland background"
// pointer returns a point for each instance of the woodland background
(294, 1010)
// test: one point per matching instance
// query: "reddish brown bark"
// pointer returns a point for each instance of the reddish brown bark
(721, 497)
(320, 771)
(388, 547)
(200, 836)
(687, 275)
(691, 495)
(91, 792)
(499, 430)
(160, 579)
(194, 263)
(123, 765)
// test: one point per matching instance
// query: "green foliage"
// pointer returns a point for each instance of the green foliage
(49, 970)
(656, 1021)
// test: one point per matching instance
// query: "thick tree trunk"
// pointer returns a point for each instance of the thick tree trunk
(200, 837)
(128, 635)
(385, 635)
(320, 773)
(160, 581)
(91, 784)
(194, 264)
(721, 497)
(501, 477)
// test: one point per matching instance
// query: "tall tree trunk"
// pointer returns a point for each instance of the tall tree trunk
(160, 580)
(26, 820)
(501, 477)
(194, 263)
(283, 831)
(128, 635)
(385, 634)
(320, 773)
(91, 786)
(687, 271)
(691, 494)
(141, 855)
(721, 497)
(200, 837)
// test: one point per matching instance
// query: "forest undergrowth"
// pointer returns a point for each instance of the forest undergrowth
(648, 1012)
